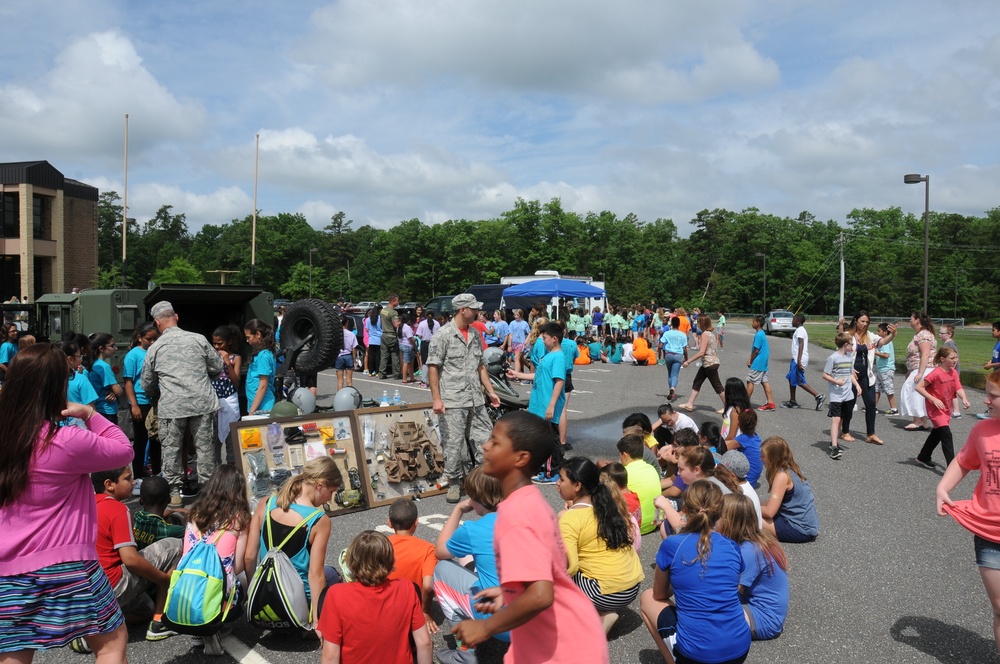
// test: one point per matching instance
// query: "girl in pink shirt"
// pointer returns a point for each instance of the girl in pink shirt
(939, 388)
(981, 515)
(53, 590)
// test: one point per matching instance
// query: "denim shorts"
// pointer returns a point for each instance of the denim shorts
(407, 354)
(987, 553)
(344, 363)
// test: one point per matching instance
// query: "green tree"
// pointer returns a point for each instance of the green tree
(297, 286)
(178, 271)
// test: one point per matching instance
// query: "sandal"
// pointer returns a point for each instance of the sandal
(847, 438)
(686, 407)
(874, 440)
(914, 427)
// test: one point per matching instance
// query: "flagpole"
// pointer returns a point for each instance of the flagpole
(125, 206)
(253, 238)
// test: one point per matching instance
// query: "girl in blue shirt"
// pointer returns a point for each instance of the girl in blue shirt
(260, 374)
(102, 378)
(144, 336)
(702, 570)
(612, 350)
(764, 582)
(8, 348)
(373, 351)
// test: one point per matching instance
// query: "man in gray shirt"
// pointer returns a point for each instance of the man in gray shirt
(458, 377)
(180, 367)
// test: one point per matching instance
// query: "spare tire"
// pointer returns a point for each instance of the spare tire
(318, 318)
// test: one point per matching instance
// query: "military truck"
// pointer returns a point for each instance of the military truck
(200, 307)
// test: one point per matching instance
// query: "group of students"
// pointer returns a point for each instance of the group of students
(94, 383)
(414, 334)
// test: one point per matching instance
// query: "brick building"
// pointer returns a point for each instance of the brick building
(48, 234)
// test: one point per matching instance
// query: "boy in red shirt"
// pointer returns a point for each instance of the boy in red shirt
(130, 572)
(415, 558)
(372, 620)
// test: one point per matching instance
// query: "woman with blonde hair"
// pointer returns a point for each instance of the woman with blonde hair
(300, 501)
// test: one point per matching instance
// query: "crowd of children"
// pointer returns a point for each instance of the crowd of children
(720, 579)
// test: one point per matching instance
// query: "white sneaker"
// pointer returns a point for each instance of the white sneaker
(213, 646)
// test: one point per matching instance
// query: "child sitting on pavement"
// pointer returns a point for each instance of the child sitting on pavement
(155, 521)
(643, 479)
(748, 442)
(375, 619)
(130, 572)
(455, 586)
(415, 559)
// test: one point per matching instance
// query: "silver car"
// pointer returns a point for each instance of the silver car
(778, 320)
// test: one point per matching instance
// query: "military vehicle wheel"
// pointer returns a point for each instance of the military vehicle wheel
(318, 318)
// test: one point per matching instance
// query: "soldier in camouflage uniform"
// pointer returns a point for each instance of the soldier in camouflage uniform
(457, 377)
(179, 367)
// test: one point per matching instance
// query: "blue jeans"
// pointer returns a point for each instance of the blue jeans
(673, 362)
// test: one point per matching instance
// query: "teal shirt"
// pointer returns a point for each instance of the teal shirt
(262, 364)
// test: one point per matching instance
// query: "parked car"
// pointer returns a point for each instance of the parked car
(440, 304)
(778, 320)
(363, 306)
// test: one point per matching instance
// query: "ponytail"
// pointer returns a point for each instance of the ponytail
(612, 519)
(703, 505)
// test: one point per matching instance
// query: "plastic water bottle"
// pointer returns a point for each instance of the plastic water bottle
(396, 399)
(385, 399)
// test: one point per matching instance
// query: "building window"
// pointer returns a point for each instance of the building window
(41, 218)
(11, 224)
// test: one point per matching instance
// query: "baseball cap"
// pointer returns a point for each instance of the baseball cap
(737, 462)
(466, 300)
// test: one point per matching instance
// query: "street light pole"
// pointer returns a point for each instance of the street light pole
(311, 251)
(763, 304)
(916, 178)
(954, 313)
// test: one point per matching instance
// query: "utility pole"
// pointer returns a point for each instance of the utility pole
(840, 311)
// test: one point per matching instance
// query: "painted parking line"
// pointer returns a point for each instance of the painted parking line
(587, 380)
(241, 652)
(435, 521)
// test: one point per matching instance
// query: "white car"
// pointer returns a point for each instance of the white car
(364, 306)
(778, 320)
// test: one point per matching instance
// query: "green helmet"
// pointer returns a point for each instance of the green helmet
(284, 409)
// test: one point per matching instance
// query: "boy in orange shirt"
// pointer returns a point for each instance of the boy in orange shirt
(415, 558)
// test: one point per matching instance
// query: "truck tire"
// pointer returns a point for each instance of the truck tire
(318, 318)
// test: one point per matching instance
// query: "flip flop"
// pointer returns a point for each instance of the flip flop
(848, 438)
(874, 440)
(910, 427)
(686, 407)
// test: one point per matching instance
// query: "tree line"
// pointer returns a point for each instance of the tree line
(719, 266)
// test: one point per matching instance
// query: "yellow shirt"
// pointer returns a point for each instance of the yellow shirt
(587, 553)
(644, 481)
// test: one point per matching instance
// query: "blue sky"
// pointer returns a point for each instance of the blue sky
(449, 109)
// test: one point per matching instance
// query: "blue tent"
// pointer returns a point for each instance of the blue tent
(554, 288)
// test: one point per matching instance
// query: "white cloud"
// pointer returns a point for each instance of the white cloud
(145, 198)
(641, 51)
(78, 107)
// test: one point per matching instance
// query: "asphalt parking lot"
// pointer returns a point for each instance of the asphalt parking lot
(887, 580)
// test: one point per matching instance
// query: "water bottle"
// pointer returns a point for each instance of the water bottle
(396, 399)
(385, 399)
